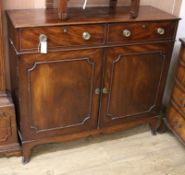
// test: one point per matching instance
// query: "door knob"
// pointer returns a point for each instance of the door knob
(86, 36)
(105, 91)
(127, 33)
(97, 91)
(161, 31)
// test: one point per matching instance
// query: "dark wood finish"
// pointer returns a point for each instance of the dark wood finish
(141, 31)
(65, 36)
(176, 110)
(50, 4)
(63, 7)
(60, 90)
(113, 4)
(78, 16)
(87, 87)
(134, 8)
(2, 64)
(134, 75)
(8, 130)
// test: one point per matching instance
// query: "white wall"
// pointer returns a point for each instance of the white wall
(180, 34)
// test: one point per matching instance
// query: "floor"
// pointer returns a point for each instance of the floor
(132, 152)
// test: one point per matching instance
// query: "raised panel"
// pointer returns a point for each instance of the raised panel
(5, 127)
(58, 92)
(134, 80)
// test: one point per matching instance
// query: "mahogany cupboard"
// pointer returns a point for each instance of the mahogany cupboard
(99, 73)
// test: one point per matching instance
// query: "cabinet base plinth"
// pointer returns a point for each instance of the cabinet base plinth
(28, 145)
(9, 145)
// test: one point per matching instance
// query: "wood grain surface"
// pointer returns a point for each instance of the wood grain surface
(2, 56)
(176, 109)
(172, 6)
(88, 87)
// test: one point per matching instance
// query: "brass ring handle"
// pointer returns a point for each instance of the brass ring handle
(43, 38)
(86, 36)
(161, 31)
(127, 33)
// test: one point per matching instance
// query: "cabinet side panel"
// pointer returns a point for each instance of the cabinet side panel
(2, 65)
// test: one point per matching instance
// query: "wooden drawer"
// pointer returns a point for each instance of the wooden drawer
(63, 36)
(178, 97)
(176, 122)
(132, 32)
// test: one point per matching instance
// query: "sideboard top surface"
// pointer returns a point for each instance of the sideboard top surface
(43, 17)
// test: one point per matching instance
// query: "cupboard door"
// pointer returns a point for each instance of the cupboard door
(57, 92)
(133, 82)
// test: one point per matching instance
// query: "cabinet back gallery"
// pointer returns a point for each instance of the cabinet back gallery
(102, 72)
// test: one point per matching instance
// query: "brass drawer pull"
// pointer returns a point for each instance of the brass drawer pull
(144, 26)
(86, 36)
(161, 31)
(42, 38)
(43, 45)
(97, 91)
(127, 33)
(105, 91)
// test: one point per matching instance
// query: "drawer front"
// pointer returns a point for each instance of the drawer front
(176, 122)
(178, 97)
(125, 32)
(63, 36)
